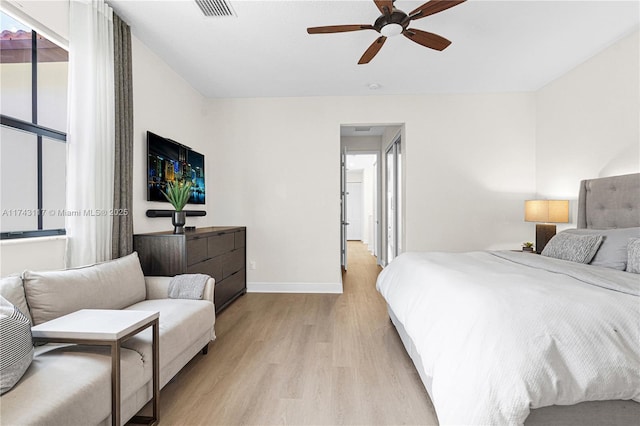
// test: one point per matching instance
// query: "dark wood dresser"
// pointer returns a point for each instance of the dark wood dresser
(218, 251)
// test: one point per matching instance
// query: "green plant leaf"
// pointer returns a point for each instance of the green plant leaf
(178, 194)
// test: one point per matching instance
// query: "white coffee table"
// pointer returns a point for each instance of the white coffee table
(105, 327)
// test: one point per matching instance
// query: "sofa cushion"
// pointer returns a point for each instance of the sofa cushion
(182, 321)
(110, 285)
(16, 345)
(11, 289)
(71, 385)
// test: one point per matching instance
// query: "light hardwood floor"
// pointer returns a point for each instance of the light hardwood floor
(303, 359)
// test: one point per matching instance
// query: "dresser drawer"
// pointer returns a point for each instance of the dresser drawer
(240, 238)
(196, 250)
(226, 289)
(211, 267)
(220, 244)
(233, 262)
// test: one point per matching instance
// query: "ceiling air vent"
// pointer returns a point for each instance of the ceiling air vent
(362, 129)
(215, 8)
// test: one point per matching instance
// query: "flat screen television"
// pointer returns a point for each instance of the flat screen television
(169, 161)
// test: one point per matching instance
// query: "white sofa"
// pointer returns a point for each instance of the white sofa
(71, 384)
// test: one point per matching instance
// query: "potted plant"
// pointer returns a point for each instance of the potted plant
(178, 194)
(528, 246)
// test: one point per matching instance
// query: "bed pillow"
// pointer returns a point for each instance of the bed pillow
(613, 251)
(633, 255)
(572, 247)
(16, 345)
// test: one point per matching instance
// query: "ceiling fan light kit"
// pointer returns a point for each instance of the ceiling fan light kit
(393, 22)
(391, 30)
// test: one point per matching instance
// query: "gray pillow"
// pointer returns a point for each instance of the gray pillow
(16, 345)
(633, 255)
(613, 251)
(575, 248)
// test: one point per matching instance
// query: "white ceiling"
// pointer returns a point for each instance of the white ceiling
(362, 130)
(497, 46)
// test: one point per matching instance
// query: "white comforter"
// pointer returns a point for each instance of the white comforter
(499, 338)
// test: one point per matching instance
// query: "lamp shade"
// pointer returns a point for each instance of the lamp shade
(546, 211)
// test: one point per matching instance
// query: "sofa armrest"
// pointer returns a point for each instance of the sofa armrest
(158, 288)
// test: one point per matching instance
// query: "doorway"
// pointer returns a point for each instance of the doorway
(369, 224)
(360, 182)
(362, 199)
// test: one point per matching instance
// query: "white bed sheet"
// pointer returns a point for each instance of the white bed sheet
(498, 338)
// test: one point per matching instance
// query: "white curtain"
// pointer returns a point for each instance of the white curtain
(90, 137)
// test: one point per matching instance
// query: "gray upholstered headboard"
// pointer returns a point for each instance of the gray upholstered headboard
(610, 202)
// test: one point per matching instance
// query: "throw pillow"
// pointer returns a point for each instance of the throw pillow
(633, 256)
(571, 247)
(613, 251)
(11, 289)
(16, 345)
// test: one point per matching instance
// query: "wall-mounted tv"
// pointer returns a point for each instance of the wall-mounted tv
(169, 161)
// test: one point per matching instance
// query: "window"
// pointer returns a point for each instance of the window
(33, 113)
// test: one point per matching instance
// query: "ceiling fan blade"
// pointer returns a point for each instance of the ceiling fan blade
(426, 39)
(433, 6)
(384, 4)
(338, 29)
(373, 50)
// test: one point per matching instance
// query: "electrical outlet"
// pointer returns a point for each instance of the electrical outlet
(252, 265)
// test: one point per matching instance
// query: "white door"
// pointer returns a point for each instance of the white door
(355, 213)
(343, 209)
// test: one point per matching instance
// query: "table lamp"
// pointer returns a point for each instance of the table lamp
(545, 213)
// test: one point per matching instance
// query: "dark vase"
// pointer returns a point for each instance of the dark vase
(529, 249)
(178, 219)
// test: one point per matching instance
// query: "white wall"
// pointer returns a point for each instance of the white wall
(167, 105)
(354, 176)
(588, 122)
(469, 163)
(35, 254)
(468, 170)
(369, 188)
(163, 103)
(355, 144)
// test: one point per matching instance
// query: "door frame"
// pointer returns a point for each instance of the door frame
(392, 213)
(343, 208)
(379, 150)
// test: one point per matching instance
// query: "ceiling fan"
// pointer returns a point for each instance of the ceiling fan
(393, 22)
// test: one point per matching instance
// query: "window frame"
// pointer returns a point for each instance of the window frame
(39, 131)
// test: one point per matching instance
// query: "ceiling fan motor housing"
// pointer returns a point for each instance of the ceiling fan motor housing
(397, 17)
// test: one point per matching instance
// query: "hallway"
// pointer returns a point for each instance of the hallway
(303, 359)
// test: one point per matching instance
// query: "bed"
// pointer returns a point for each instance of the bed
(516, 338)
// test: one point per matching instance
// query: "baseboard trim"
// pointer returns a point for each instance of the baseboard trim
(258, 287)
